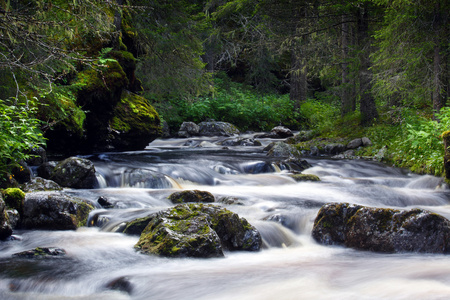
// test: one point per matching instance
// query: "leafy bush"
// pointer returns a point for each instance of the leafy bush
(19, 132)
(319, 116)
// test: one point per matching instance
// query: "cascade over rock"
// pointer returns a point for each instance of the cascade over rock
(197, 230)
(382, 229)
(75, 172)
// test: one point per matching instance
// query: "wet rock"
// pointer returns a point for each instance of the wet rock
(143, 178)
(39, 156)
(382, 229)
(188, 129)
(296, 164)
(353, 144)
(304, 177)
(5, 226)
(39, 184)
(197, 230)
(281, 149)
(241, 142)
(230, 201)
(13, 217)
(45, 170)
(41, 252)
(214, 128)
(334, 148)
(54, 211)
(282, 132)
(121, 284)
(75, 172)
(104, 202)
(136, 227)
(191, 196)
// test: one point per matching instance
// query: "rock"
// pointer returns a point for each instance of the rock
(39, 184)
(282, 132)
(366, 142)
(381, 154)
(213, 128)
(353, 144)
(14, 199)
(304, 177)
(13, 217)
(296, 164)
(39, 156)
(230, 201)
(191, 196)
(334, 148)
(281, 149)
(136, 227)
(5, 226)
(241, 142)
(382, 229)
(41, 252)
(122, 284)
(54, 211)
(104, 202)
(188, 129)
(21, 173)
(197, 230)
(45, 170)
(165, 130)
(349, 154)
(304, 136)
(75, 172)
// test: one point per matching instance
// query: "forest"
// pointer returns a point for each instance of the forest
(74, 72)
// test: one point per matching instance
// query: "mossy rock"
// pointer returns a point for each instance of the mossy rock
(191, 196)
(382, 229)
(135, 123)
(197, 230)
(14, 198)
(304, 177)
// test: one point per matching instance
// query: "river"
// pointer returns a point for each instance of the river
(291, 265)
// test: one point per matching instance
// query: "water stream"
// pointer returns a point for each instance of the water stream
(246, 181)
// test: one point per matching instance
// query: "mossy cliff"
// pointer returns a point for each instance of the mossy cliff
(106, 113)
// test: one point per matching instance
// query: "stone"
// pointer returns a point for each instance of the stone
(5, 226)
(197, 230)
(382, 229)
(75, 172)
(334, 148)
(304, 177)
(241, 142)
(45, 170)
(354, 144)
(366, 142)
(214, 128)
(281, 149)
(39, 184)
(54, 211)
(191, 196)
(282, 132)
(41, 252)
(188, 129)
(39, 156)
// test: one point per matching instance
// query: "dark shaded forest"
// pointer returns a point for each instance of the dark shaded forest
(91, 75)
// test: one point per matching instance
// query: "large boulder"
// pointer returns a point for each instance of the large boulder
(382, 229)
(214, 128)
(75, 172)
(5, 227)
(188, 129)
(197, 230)
(54, 211)
(281, 149)
(39, 184)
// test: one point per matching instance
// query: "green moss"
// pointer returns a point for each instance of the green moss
(83, 213)
(134, 113)
(14, 198)
(304, 177)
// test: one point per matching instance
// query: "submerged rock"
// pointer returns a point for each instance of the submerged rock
(75, 172)
(54, 211)
(197, 230)
(41, 252)
(304, 177)
(382, 229)
(191, 196)
(122, 284)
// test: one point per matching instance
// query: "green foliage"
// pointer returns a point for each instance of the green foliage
(19, 132)
(14, 198)
(318, 115)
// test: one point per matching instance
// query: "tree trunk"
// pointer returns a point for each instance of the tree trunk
(346, 100)
(367, 101)
(298, 79)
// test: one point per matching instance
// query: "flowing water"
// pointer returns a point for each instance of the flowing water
(246, 181)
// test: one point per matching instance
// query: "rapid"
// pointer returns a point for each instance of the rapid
(245, 180)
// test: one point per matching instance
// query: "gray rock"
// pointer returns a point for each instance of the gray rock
(13, 217)
(39, 156)
(241, 142)
(40, 184)
(382, 229)
(5, 226)
(354, 144)
(54, 211)
(282, 132)
(281, 149)
(214, 128)
(45, 170)
(188, 129)
(41, 252)
(366, 142)
(191, 196)
(75, 172)
(334, 148)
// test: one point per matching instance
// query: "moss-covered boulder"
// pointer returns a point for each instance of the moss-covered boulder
(304, 177)
(197, 230)
(215, 128)
(54, 211)
(191, 196)
(75, 172)
(41, 252)
(14, 198)
(281, 149)
(382, 229)
(134, 124)
(5, 227)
